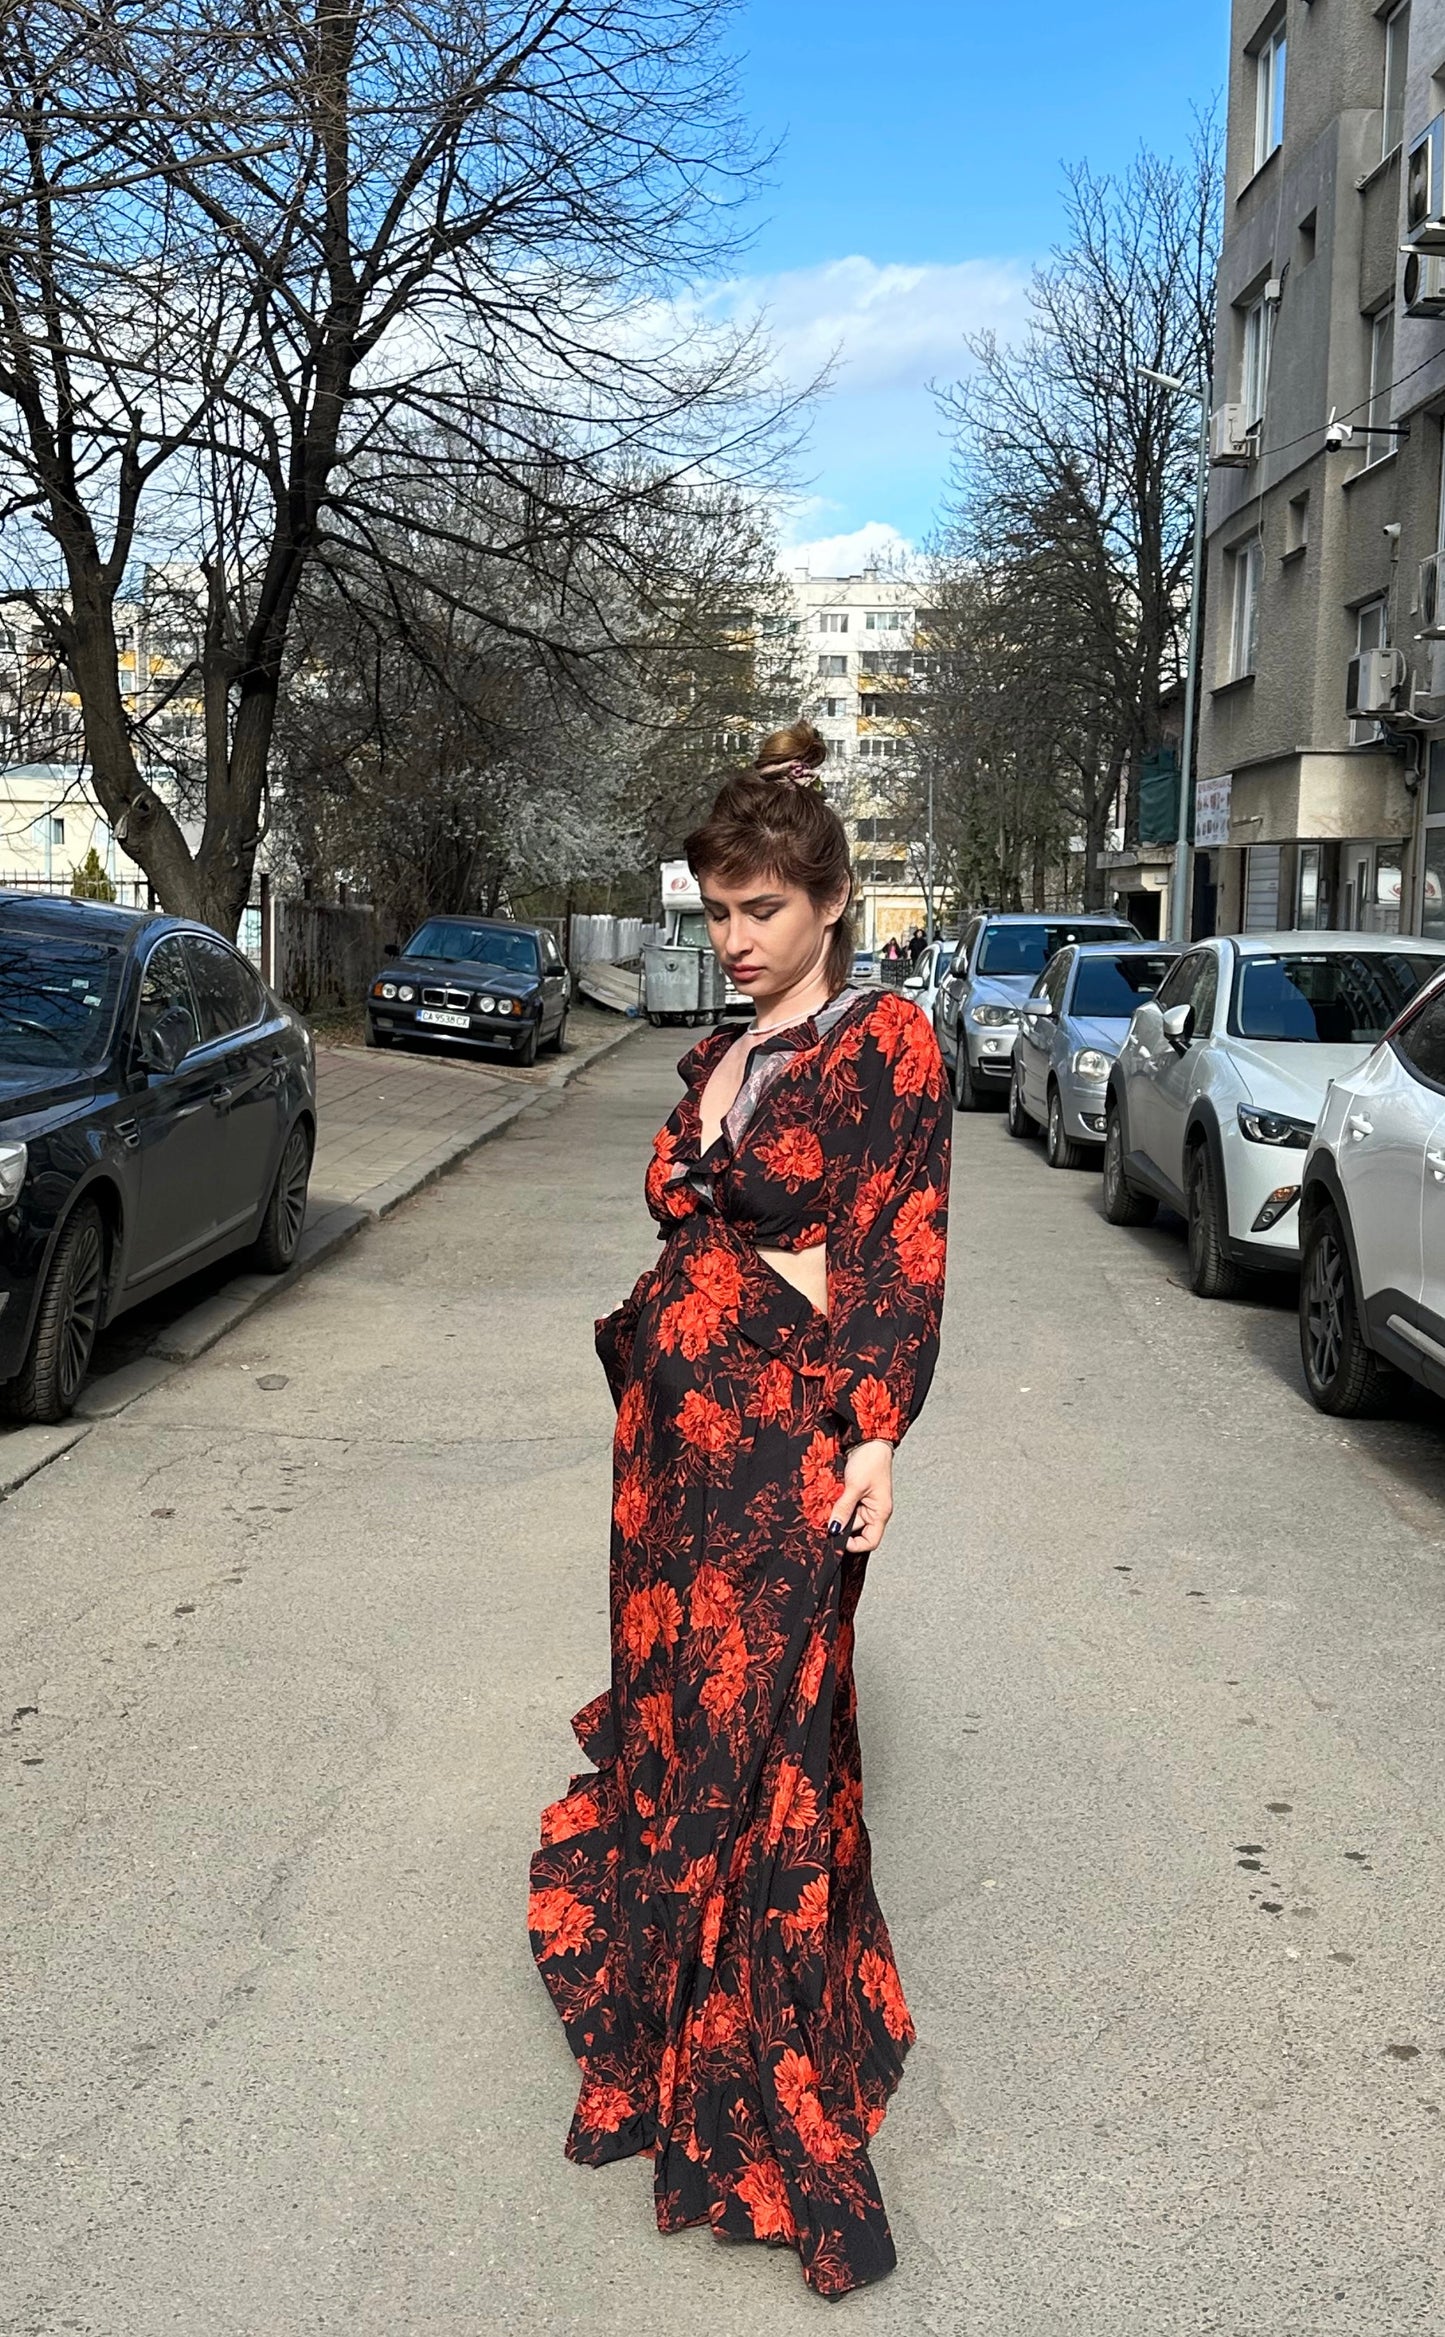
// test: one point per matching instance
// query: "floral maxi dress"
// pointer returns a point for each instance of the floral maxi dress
(702, 1908)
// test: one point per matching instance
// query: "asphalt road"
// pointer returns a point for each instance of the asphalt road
(1151, 1682)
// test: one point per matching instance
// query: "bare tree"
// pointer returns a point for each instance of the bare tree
(284, 280)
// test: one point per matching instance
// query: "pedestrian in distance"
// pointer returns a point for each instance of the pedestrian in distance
(702, 1907)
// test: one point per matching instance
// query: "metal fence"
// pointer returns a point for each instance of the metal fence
(605, 940)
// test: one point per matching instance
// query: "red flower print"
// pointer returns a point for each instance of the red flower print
(650, 1615)
(711, 1932)
(884, 1991)
(633, 1505)
(793, 2077)
(629, 1415)
(820, 2138)
(873, 1194)
(876, 1412)
(559, 1918)
(727, 1673)
(666, 2080)
(713, 1602)
(794, 1158)
(603, 2108)
(722, 2015)
(577, 1813)
(916, 1238)
(809, 1916)
(822, 1483)
(906, 1041)
(773, 1393)
(693, 1323)
(764, 2194)
(795, 1803)
(719, 1277)
(655, 1714)
(811, 1671)
(708, 1425)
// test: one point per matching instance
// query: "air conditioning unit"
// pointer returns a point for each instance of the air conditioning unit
(1375, 684)
(1431, 599)
(1425, 189)
(1231, 439)
(1423, 288)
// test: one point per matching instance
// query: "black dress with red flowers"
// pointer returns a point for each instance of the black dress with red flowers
(702, 1908)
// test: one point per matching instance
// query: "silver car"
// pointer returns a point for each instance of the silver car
(1071, 1027)
(999, 958)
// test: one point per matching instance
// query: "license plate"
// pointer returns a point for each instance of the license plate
(449, 1022)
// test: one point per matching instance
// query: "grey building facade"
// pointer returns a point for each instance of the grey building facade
(1317, 816)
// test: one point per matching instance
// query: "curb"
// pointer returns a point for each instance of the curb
(25, 1451)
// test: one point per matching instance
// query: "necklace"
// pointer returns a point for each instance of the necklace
(761, 1029)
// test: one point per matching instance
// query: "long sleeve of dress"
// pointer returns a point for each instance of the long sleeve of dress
(887, 1219)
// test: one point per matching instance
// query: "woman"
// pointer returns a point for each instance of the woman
(702, 1909)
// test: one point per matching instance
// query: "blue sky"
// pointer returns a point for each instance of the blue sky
(919, 180)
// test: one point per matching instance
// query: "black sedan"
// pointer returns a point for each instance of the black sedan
(157, 1112)
(473, 981)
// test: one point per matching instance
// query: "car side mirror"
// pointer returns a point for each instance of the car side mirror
(1040, 1006)
(1178, 1024)
(391, 949)
(167, 1044)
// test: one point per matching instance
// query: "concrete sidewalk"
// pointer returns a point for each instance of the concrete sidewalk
(387, 1123)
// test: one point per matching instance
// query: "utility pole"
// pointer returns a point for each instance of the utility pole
(928, 863)
(1179, 911)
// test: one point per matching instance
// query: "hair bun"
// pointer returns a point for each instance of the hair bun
(800, 743)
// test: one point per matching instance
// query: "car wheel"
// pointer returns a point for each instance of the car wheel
(275, 1245)
(66, 1322)
(1123, 1204)
(376, 1038)
(1212, 1274)
(1020, 1122)
(555, 1043)
(1342, 1374)
(1060, 1149)
(966, 1095)
(525, 1052)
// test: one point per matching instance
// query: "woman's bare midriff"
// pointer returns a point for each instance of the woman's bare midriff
(806, 1270)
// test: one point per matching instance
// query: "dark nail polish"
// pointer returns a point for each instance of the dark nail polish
(834, 1530)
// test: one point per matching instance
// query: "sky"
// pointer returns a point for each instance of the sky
(919, 180)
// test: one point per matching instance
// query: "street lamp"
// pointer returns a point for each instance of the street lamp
(1179, 918)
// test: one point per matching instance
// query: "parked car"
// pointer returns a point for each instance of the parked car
(473, 982)
(996, 964)
(157, 1113)
(1072, 1025)
(921, 984)
(1221, 1079)
(1372, 1222)
(865, 974)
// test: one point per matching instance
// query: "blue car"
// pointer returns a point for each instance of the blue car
(998, 961)
(1071, 1027)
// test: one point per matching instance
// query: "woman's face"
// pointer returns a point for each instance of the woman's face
(771, 937)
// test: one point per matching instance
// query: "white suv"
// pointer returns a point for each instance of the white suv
(1222, 1077)
(1372, 1222)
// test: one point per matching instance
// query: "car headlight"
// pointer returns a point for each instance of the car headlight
(383, 990)
(1093, 1064)
(992, 1016)
(13, 1158)
(405, 993)
(1274, 1128)
(487, 1005)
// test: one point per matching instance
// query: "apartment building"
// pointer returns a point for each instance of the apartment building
(857, 640)
(1322, 739)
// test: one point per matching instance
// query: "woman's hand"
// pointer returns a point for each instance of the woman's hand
(868, 1488)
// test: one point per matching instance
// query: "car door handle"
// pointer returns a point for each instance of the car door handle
(220, 1097)
(1359, 1126)
(1436, 1159)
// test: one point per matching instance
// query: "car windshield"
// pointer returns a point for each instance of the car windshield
(692, 930)
(1026, 949)
(1109, 989)
(56, 1000)
(1346, 999)
(480, 945)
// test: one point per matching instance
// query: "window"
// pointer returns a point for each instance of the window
(1247, 563)
(477, 945)
(1397, 58)
(1309, 230)
(56, 1000)
(551, 955)
(1027, 949)
(1177, 986)
(1254, 372)
(1297, 524)
(1109, 989)
(1421, 1043)
(228, 996)
(885, 621)
(875, 705)
(1382, 367)
(57, 831)
(1372, 631)
(830, 622)
(1343, 999)
(1269, 67)
(833, 668)
(835, 708)
(1308, 902)
(165, 984)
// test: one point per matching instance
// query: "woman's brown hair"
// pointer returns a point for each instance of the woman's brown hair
(761, 827)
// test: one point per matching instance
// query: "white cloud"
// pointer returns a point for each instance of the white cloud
(877, 544)
(886, 325)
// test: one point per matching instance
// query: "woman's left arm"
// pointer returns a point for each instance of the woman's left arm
(887, 1231)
